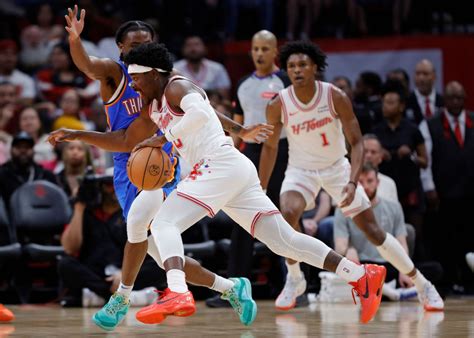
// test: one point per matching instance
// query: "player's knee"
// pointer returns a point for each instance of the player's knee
(290, 214)
(136, 233)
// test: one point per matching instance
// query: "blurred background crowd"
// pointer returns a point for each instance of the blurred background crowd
(41, 90)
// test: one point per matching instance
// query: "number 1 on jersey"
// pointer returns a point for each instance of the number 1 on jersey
(325, 140)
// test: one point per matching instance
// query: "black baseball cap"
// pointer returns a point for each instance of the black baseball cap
(23, 137)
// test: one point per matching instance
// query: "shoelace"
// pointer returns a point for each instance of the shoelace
(112, 308)
(233, 300)
(353, 297)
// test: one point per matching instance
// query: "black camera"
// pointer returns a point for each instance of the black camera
(90, 190)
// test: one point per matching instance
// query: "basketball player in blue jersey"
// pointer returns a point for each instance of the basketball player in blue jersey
(130, 124)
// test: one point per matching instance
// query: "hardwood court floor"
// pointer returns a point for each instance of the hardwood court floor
(319, 320)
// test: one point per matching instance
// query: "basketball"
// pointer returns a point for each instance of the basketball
(149, 168)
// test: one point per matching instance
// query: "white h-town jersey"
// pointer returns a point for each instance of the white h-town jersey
(197, 145)
(314, 131)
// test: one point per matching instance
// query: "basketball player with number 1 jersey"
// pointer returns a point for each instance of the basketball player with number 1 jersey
(222, 178)
(315, 116)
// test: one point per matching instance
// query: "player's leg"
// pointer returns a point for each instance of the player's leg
(256, 213)
(298, 192)
(292, 207)
(141, 212)
(334, 180)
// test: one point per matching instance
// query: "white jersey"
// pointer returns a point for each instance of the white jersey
(194, 146)
(314, 131)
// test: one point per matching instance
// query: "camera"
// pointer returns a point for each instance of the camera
(90, 189)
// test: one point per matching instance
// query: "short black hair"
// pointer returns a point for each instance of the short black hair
(394, 86)
(133, 26)
(151, 54)
(344, 78)
(400, 71)
(371, 80)
(303, 47)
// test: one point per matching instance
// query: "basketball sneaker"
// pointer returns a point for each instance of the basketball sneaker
(293, 288)
(369, 290)
(112, 313)
(172, 303)
(5, 314)
(240, 297)
(430, 298)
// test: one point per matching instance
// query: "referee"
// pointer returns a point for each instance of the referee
(254, 91)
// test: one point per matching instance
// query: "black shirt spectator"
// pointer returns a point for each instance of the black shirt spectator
(21, 168)
(367, 103)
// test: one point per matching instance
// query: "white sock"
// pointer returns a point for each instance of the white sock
(349, 271)
(294, 270)
(125, 289)
(420, 281)
(176, 281)
(393, 252)
(221, 284)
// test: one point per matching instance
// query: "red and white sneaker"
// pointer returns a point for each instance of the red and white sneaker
(369, 290)
(5, 314)
(171, 304)
(430, 298)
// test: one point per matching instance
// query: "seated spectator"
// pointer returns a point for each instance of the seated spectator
(30, 123)
(9, 106)
(34, 49)
(44, 17)
(387, 189)
(5, 140)
(76, 158)
(21, 168)
(345, 85)
(318, 222)
(23, 83)
(69, 112)
(367, 101)
(93, 242)
(300, 11)
(264, 9)
(379, 17)
(351, 242)
(207, 74)
(62, 76)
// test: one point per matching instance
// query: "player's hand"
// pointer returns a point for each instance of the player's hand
(310, 226)
(62, 135)
(404, 151)
(74, 26)
(348, 193)
(405, 281)
(155, 141)
(257, 133)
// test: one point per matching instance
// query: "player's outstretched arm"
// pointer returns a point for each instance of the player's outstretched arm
(257, 133)
(94, 68)
(269, 152)
(123, 140)
(350, 125)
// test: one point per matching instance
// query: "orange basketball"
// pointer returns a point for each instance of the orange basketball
(149, 168)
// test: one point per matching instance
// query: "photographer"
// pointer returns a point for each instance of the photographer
(93, 242)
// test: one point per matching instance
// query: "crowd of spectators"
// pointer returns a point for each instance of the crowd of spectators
(419, 142)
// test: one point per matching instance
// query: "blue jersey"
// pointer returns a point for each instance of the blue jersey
(121, 111)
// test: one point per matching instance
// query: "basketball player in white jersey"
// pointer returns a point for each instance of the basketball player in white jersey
(316, 115)
(222, 178)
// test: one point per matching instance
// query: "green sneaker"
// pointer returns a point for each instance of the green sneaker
(240, 297)
(112, 313)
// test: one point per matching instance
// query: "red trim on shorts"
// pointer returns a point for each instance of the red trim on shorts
(198, 202)
(330, 103)
(257, 217)
(306, 188)
(357, 210)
